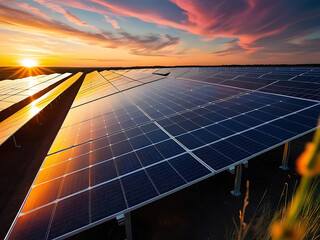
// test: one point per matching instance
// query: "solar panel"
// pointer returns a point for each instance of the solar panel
(13, 123)
(14, 91)
(119, 152)
(296, 82)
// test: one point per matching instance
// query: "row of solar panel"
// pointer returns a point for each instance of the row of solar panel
(14, 91)
(13, 123)
(189, 131)
(98, 85)
(109, 197)
(141, 160)
(303, 86)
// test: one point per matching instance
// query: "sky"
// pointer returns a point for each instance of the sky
(110, 33)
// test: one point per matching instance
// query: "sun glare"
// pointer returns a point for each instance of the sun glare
(29, 63)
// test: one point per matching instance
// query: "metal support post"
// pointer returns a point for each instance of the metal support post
(37, 116)
(127, 224)
(237, 181)
(15, 142)
(125, 219)
(285, 156)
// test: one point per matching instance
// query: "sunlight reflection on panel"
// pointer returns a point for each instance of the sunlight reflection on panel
(13, 123)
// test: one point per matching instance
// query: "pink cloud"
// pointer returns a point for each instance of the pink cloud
(31, 9)
(71, 18)
(246, 20)
(112, 22)
(146, 45)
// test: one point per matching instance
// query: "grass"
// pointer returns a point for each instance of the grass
(297, 216)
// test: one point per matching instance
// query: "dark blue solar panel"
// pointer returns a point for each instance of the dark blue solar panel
(148, 127)
(121, 148)
(246, 120)
(106, 200)
(157, 136)
(169, 148)
(139, 142)
(219, 130)
(127, 163)
(117, 140)
(291, 126)
(190, 141)
(102, 172)
(174, 129)
(133, 132)
(233, 125)
(260, 115)
(213, 158)
(231, 151)
(149, 155)
(73, 212)
(33, 225)
(74, 183)
(276, 132)
(205, 136)
(262, 138)
(164, 177)
(138, 188)
(188, 125)
(189, 168)
(247, 144)
(299, 118)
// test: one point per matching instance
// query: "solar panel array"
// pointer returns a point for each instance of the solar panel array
(132, 137)
(17, 120)
(296, 82)
(14, 91)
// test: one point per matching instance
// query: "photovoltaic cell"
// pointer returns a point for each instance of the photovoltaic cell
(123, 150)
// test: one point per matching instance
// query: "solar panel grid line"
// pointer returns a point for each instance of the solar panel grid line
(184, 147)
(16, 89)
(136, 149)
(253, 90)
(264, 74)
(130, 209)
(258, 89)
(162, 163)
(114, 86)
(7, 126)
(265, 123)
(212, 124)
(99, 184)
(141, 125)
(172, 191)
(212, 102)
(132, 78)
(31, 90)
(16, 218)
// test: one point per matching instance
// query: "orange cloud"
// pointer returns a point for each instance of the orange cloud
(72, 18)
(31, 9)
(153, 44)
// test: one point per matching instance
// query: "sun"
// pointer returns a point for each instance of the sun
(29, 63)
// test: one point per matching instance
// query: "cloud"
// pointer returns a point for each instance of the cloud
(248, 20)
(105, 60)
(69, 16)
(231, 48)
(112, 22)
(152, 44)
(31, 9)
